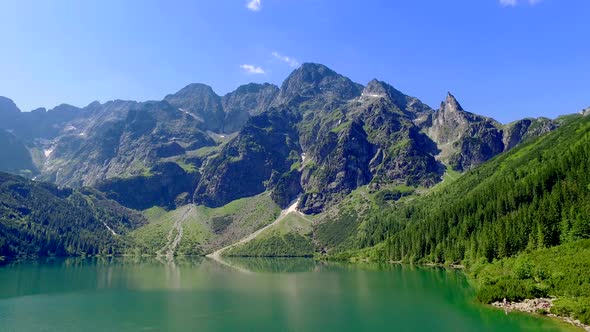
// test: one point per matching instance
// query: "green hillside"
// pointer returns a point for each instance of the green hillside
(535, 196)
(290, 237)
(39, 219)
(518, 222)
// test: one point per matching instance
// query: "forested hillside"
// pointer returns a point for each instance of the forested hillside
(535, 196)
(39, 219)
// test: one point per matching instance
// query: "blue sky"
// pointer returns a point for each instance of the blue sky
(503, 58)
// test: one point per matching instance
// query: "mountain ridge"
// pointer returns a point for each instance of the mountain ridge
(319, 118)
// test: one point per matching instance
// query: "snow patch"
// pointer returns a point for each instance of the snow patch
(110, 229)
(190, 114)
(48, 152)
(373, 95)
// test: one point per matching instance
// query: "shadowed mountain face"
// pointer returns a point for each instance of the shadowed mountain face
(199, 101)
(319, 135)
(14, 156)
(246, 101)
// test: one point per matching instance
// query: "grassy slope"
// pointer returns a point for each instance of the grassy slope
(289, 238)
(150, 238)
(204, 229)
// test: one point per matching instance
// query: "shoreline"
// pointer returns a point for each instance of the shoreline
(536, 307)
(527, 306)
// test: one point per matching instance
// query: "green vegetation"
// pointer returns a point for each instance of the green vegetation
(289, 238)
(204, 229)
(189, 168)
(560, 271)
(153, 236)
(518, 222)
(535, 196)
(394, 194)
(40, 219)
(205, 151)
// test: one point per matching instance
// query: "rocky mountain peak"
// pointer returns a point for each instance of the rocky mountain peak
(317, 84)
(253, 88)
(411, 106)
(192, 90)
(451, 104)
(200, 101)
(586, 111)
(246, 101)
(8, 106)
(93, 105)
(377, 89)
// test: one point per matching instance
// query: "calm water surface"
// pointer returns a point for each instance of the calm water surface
(126, 294)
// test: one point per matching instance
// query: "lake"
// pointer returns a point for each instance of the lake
(247, 294)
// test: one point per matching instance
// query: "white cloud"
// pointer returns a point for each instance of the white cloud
(288, 60)
(251, 69)
(254, 5)
(512, 3)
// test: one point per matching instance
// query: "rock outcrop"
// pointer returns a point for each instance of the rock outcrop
(167, 185)
(246, 101)
(521, 130)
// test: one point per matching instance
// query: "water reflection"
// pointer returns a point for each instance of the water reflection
(271, 265)
(143, 293)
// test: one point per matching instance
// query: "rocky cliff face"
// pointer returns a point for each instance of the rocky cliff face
(341, 164)
(346, 137)
(525, 129)
(246, 101)
(199, 101)
(14, 155)
(167, 185)
(8, 112)
(125, 140)
(466, 140)
(412, 107)
(320, 135)
(315, 87)
(254, 161)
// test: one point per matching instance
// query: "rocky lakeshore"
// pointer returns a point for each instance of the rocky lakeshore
(538, 306)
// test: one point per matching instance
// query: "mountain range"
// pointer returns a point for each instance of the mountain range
(319, 136)
(197, 173)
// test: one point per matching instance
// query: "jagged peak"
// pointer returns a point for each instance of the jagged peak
(451, 104)
(586, 111)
